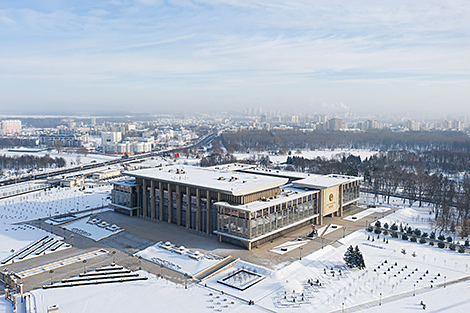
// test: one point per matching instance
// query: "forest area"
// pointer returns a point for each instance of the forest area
(418, 166)
(18, 163)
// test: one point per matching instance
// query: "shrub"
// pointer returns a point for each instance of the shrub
(378, 224)
(452, 247)
(449, 239)
(417, 232)
(409, 230)
(394, 227)
(422, 240)
(369, 228)
(413, 239)
(385, 232)
(431, 243)
(466, 244)
(432, 235)
(377, 230)
(441, 245)
(461, 249)
(424, 235)
(404, 237)
(394, 235)
(441, 237)
(386, 225)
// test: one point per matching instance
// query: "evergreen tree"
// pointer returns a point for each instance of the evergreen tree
(359, 258)
(349, 257)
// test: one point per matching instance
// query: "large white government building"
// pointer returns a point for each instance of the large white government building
(241, 204)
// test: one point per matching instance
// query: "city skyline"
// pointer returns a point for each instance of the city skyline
(174, 56)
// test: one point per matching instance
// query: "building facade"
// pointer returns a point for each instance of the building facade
(236, 202)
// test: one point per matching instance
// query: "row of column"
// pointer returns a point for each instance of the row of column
(179, 192)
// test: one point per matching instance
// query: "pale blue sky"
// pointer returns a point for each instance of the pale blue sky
(176, 55)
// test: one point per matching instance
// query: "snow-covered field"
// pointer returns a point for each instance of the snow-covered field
(152, 295)
(93, 231)
(179, 258)
(42, 204)
(308, 154)
(69, 157)
(409, 216)
(320, 282)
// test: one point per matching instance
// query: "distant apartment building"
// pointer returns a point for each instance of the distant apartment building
(112, 143)
(413, 125)
(65, 140)
(108, 138)
(335, 124)
(370, 124)
(10, 127)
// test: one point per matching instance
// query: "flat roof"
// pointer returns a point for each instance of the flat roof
(227, 182)
(232, 167)
(125, 182)
(289, 192)
(320, 182)
(278, 173)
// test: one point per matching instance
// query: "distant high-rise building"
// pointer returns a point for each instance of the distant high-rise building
(110, 138)
(10, 127)
(335, 124)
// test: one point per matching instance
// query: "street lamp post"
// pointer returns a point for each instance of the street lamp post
(84, 262)
(344, 230)
(342, 309)
(414, 286)
(300, 252)
(322, 242)
(71, 237)
(445, 281)
(50, 272)
(380, 301)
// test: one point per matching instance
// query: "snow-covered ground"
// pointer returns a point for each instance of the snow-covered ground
(308, 154)
(320, 282)
(93, 231)
(409, 216)
(42, 204)
(69, 157)
(179, 258)
(154, 294)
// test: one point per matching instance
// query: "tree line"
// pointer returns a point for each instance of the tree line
(30, 162)
(280, 140)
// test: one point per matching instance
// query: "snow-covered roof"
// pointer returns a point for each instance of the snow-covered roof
(288, 193)
(278, 173)
(320, 182)
(228, 182)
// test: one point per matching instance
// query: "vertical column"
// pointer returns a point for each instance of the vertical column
(144, 198)
(152, 199)
(208, 212)
(188, 207)
(321, 194)
(340, 200)
(170, 202)
(178, 205)
(160, 189)
(198, 209)
(219, 198)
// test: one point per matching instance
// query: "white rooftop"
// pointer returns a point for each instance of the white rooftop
(288, 193)
(228, 182)
(278, 173)
(320, 181)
